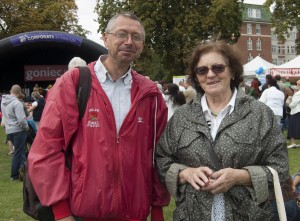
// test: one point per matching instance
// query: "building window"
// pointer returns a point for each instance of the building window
(292, 49)
(274, 49)
(249, 43)
(254, 13)
(288, 49)
(258, 45)
(274, 61)
(258, 31)
(249, 28)
(274, 36)
(250, 58)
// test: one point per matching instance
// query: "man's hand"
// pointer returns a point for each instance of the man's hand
(69, 218)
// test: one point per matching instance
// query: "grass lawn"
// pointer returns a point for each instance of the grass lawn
(11, 204)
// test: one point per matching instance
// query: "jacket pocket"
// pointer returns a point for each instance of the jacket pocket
(243, 134)
(187, 138)
(180, 213)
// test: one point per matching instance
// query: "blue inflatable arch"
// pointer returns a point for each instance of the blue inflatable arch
(41, 48)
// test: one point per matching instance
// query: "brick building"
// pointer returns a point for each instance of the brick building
(255, 39)
(258, 38)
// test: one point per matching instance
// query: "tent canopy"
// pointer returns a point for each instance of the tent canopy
(295, 63)
(255, 64)
(289, 69)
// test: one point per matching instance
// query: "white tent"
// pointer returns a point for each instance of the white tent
(255, 64)
(295, 63)
(289, 69)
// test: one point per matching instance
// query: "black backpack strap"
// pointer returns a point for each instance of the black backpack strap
(83, 89)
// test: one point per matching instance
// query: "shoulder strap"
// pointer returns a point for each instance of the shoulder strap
(83, 89)
(213, 155)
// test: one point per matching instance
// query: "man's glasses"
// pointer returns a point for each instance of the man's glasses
(122, 35)
(215, 68)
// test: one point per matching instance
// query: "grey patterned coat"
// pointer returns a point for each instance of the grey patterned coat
(248, 138)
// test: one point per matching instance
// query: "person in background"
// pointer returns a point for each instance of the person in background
(181, 86)
(112, 176)
(76, 62)
(36, 88)
(189, 93)
(274, 98)
(254, 90)
(214, 153)
(37, 108)
(174, 98)
(287, 82)
(289, 92)
(266, 84)
(294, 125)
(280, 84)
(16, 128)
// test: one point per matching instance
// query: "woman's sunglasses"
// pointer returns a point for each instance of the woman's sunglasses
(215, 68)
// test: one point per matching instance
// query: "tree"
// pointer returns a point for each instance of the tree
(17, 16)
(174, 28)
(285, 17)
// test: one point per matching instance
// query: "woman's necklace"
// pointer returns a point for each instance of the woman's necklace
(214, 114)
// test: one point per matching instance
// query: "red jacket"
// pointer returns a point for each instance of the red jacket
(112, 175)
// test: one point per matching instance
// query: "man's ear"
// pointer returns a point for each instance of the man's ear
(104, 39)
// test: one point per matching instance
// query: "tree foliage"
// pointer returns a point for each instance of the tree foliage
(18, 16)
(174, 28)
(286, 16)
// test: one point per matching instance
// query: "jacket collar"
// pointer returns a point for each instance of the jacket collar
(196, 120)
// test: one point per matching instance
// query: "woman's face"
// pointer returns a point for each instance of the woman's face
(216, 82)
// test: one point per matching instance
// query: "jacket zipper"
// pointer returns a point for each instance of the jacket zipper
(116, 175)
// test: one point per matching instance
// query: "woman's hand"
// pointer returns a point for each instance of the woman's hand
(197, 177)
(224, 179)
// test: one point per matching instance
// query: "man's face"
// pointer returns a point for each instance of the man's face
(125, 41)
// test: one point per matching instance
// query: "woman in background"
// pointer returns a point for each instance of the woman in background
(174, 98)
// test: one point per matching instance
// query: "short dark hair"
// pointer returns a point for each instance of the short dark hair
(278, 77)
(268, 76)
(272, 82)
(229, 52)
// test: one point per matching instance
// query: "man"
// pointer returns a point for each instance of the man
(189, 93)
(16, 127)
(274, 98)
(112, 176)
(280, 84)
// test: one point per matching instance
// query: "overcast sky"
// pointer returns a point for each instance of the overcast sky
(87, 16)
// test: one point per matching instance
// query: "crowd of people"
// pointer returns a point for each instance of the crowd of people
(206, 142)
(283, 98)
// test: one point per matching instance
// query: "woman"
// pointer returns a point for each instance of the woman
(294, 123)
(174, 98)
(214, 152)
(37, 107)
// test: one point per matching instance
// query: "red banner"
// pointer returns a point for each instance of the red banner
(43, 72)
(285, 72)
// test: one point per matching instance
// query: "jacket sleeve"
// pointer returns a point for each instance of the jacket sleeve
(167, 167)
(275, 156)
(160, 195)
(295, 100)
(20, 114)
(46, 159)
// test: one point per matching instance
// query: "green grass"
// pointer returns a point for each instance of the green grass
(11, 204)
